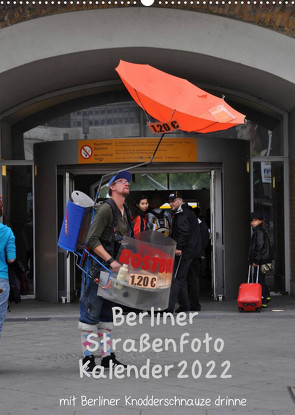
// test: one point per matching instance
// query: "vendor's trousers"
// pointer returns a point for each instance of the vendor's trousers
(94, 308)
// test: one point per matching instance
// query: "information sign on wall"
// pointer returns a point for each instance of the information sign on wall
(136, 150)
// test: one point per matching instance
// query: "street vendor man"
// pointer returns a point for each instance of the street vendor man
(111, 222)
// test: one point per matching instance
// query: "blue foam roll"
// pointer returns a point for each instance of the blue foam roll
(71, 226)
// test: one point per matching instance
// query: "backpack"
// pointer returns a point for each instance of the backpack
(158, 221)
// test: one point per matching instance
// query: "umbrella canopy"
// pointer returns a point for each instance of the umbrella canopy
(168, 98)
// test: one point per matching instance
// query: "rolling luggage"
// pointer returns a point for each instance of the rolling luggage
(250, 293)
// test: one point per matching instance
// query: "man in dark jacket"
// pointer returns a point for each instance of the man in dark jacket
(186, 233)
(260, 253)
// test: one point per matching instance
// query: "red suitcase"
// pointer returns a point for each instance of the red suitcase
(250, 294)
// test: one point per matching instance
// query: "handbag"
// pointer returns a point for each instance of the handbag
(264, 268)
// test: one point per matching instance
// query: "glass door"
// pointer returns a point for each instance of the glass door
(269, 198)
(66, 263)
(217, 247)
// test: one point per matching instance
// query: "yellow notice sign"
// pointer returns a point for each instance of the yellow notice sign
(136, 150)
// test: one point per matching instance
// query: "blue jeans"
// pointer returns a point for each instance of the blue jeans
(4, 295)
(94, 308)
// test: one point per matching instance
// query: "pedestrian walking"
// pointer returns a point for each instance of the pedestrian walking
(186, 233)
(7, 256)
(260, 253)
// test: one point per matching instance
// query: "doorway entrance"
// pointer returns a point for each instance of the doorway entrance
(201, 188)
(17, 194)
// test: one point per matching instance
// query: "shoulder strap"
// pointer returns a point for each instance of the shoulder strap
(115, 213)
(115, 216)
(129, 220)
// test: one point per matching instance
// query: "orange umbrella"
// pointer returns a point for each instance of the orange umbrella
(175, 102)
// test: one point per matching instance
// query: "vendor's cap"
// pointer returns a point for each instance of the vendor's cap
(122, 175)
(175, 195)
(257, 215)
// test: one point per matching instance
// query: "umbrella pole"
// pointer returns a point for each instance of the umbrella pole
(109, 175)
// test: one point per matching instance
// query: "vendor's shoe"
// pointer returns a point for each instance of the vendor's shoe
(264, 305)
(111, 360)
(268, 299)
(91, 363)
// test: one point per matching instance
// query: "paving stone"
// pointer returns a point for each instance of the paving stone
(39, 365)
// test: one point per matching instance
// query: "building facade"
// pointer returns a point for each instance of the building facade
(59, 86)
